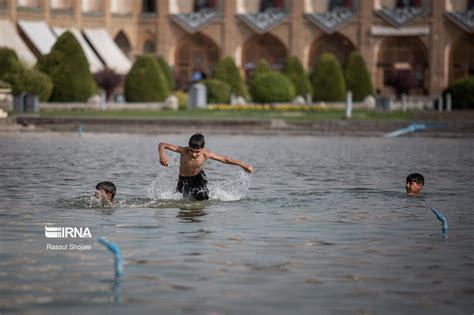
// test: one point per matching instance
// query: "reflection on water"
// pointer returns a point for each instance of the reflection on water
(323, 227)
(191, 215)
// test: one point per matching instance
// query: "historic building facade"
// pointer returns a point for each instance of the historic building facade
(426, 43)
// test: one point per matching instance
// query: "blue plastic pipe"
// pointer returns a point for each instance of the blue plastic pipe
(442, 218)
(117, 255)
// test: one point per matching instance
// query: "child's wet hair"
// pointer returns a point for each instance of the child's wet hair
(107, 187)
(416, 177)
(197, 141)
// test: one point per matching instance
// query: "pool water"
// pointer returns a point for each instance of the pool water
(322, 227)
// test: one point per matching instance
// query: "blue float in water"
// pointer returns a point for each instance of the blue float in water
(443, 220)
(117, 255)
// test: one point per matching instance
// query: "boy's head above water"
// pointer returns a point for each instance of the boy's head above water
(196, 144)
(196, 141)
(414, 184)
(105, 191)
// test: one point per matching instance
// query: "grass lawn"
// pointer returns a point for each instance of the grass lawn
(290, 116)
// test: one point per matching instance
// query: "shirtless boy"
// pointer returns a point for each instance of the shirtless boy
(192, 180)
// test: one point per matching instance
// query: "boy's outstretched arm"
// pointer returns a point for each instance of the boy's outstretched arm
(161, 150)
(227, 160)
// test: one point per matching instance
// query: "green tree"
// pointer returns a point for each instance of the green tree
(168, 71)
(358, 77)
(68, 67)
(9, 62)
(262, 67)
(327, 80)
(272, 87)
(462, 93)
(227, 71)
(146, 82)
(30, 81)
(294, 70)
(217, 91)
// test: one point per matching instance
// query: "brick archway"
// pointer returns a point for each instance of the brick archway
(121, 39)
(461, 63)
(335, 44)
(402, 66)
(266, 47)
(195, 52)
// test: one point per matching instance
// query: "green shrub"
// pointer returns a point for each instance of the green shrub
(168, 71)
(462, 93)
(262, 67)
(182, 99)
(272, 87)
(31, 81)
(5, 85)
(226, 70)
(9, 62)
(146, 82)
(327, 80)
(67, 66)
(358, 77)
(294, 70)
(217, 91)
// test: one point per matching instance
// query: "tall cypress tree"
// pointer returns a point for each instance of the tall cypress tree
(328, 80)
(67, 66)
(294, 70)
(226, 70)
(146, 82)
(358, 77)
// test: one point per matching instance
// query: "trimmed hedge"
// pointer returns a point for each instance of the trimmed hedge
(294, 70)
(227, 71)
(168, 71)
(217, 91)
(327, 80)
(462, 93)
(272, 87)
(31, 81)
(9, 62)
(68, 67)
(146, 82)
(262, 67)
(358, 77)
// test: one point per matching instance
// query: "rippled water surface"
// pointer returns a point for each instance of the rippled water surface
(323, 227)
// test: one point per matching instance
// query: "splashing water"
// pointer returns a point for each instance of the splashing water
(231, 189)
(163, 187)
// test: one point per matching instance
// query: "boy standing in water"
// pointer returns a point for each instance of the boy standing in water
(414, 184)
(192, 180)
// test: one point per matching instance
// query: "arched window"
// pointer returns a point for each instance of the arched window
(122, 41)
(149, 46)
(260, 47)
(335, 44)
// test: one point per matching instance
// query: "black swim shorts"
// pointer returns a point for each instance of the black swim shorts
(193, 186)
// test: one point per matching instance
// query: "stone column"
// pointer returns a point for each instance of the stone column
(78, 14)
(436, 74)
(366, 42)
(45, 6)
(228, 42)
(296, 39)
(163, 30)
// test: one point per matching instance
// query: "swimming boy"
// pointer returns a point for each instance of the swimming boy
(105, 192)
(414, 184)
(192, 179)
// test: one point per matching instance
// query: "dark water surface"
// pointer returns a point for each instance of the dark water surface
(324, 227)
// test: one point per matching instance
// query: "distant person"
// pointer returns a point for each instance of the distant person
(414, 184)
(105, 192)
(192, 179)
